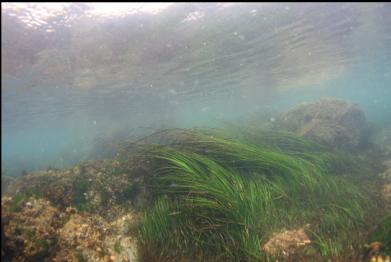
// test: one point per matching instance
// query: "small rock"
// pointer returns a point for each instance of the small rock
(286, 242)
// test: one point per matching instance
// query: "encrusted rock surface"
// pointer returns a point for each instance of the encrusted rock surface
(38, 231)
(287, 242)
(85, 213)
(95, 186)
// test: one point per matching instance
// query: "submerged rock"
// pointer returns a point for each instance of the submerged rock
(337, 123)
(101, 187)
(29, 233)
(86, 213)
(287, 242)
(38, 231)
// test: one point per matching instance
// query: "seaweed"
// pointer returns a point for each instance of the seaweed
(17, 202)
(30, 233)
(129, 193)
(44, 248)
(117, 247)
(80, 257)
(80, 187)
(19, 199)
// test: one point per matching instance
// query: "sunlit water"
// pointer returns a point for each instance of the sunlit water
(77, 78)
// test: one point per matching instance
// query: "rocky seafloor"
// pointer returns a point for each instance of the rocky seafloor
(56, 216)
(91, 212)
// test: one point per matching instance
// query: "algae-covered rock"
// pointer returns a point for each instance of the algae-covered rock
(29, 233)
(338, 123)
(287, 242)
(38, 231)
(103, 187)
(84, 213)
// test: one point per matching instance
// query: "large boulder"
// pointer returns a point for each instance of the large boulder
(338, 123)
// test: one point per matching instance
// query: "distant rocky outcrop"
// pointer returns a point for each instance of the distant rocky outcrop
(335, 122)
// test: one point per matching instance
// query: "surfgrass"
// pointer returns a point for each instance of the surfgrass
(220, 197)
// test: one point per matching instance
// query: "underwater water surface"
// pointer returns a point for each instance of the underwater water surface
(80, 81)
(72, 76)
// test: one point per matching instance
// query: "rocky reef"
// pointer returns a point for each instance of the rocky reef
(338, 123)
(108, 210)
(38, 231)
(85, 213)
(94, 186)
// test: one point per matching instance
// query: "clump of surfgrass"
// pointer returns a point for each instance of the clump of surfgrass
(220, 197)
(205, 141)
(210, 212)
